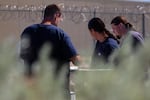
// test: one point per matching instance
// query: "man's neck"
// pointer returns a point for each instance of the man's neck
(46, 22)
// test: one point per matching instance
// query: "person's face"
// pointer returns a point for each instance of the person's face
(117, 29)
(57, 19)
(96, 35)
(92, 32)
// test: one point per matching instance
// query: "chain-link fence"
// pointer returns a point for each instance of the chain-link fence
(15, 18)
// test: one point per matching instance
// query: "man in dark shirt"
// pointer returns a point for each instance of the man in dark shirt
(35, 36)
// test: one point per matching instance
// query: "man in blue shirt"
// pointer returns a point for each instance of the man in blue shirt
(35, 36)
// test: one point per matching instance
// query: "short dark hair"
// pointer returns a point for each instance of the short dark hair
(51, 10)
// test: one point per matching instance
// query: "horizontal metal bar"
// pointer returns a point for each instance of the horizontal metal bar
(76, 68)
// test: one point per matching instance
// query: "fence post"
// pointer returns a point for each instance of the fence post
(143, 24)
(94, 13)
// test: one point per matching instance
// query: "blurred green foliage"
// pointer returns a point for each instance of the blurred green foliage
(128, 81)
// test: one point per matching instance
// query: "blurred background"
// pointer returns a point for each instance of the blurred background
(15, 15)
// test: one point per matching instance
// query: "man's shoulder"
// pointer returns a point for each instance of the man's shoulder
(56, 28)
(31, 27)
